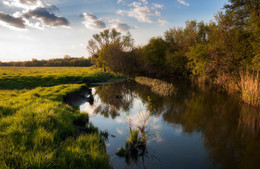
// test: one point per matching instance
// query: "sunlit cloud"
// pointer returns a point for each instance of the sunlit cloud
(157, 6)
(119, 26)
(92, 22)
(183, 2)
(24, 4)
(142, 11)
(33, 13)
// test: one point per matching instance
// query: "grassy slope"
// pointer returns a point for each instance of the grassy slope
(37, 129)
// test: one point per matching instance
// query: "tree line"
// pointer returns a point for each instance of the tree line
(66, 61)
(225, 52)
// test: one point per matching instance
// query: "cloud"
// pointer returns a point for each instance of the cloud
(142, 11)
(162, 21)
(157, 13)
(119, 1)
(28, 1)
(92, 22)
(48, 18)
(121, 27)
(183, 2)
(10, 20)
(144, 2)
(24, 4)
(157, 6)
(34, 13)
(139, 12)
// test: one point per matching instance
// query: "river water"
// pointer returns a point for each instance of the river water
(197, 127)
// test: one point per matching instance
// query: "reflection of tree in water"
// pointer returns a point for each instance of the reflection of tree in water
(231, 131)
(114, 98)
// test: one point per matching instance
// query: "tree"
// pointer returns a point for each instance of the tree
(107, 37)
(109, 50)
(154, 56)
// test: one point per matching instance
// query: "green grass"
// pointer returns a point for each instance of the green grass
(37, 130)
(31, 77)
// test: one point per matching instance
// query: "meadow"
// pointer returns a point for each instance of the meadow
(37, 129)
(31, 77)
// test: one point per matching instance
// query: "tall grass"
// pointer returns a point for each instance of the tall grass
(250, 86)
(38, 131)
(159, 87)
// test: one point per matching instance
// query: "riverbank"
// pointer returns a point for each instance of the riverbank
(38, 130)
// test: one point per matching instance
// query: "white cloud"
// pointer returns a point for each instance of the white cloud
(157, 6)
(119, 1)
(92, 22)
(157, 13)
(24, 4)
(144, 2)
(183, 2)
(142, 11)
(162, 21)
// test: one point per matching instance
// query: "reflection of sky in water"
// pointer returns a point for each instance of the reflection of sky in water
(199, 128)
(169, 147)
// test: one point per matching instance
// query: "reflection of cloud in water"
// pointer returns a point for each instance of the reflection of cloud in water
(120, 120)
(90, 109)
(157, 139)
(119, 131)
(178, 130)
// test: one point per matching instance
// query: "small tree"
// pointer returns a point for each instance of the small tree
(108, 49)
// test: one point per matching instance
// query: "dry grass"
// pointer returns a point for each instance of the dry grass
(250, 85)
(159, 87)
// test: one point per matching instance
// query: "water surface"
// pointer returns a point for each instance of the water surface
(197, 127)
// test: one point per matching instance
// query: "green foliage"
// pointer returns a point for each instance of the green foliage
(154, 56)
(200, 63)
(66, 61)
(109, 50)
(218, 52)
(176, 63)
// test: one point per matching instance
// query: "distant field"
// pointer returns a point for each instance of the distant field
(37, 130)
(31, 77)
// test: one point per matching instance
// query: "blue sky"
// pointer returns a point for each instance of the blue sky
(44, 29)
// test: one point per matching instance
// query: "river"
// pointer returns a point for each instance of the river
(196, 127)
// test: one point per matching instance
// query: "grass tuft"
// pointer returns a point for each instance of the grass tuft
(250, 85)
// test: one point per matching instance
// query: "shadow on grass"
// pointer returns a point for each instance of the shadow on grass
(30, 82)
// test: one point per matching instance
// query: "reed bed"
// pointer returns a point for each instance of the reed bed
(159, 87)
(250, 86)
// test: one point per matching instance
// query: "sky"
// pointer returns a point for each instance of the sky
(44, 29)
